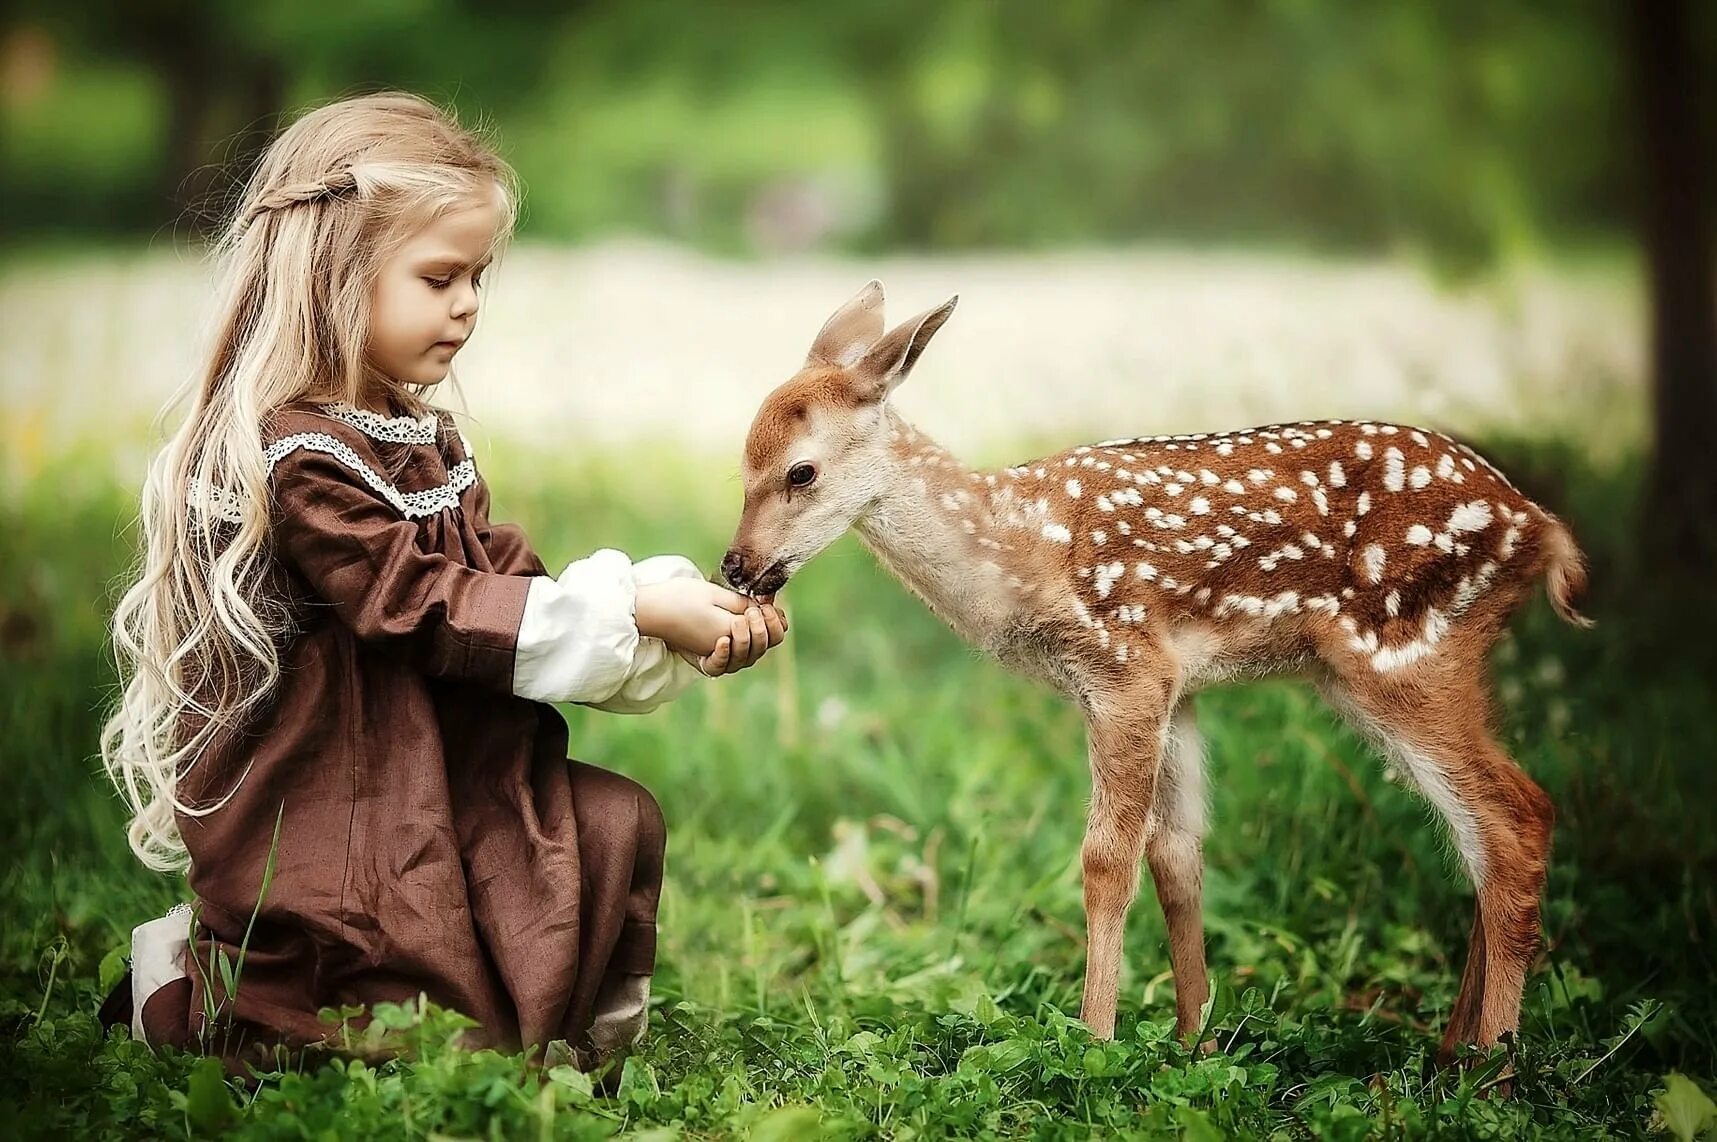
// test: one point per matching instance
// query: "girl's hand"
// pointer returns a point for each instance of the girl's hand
(689, 615)
(757, 631)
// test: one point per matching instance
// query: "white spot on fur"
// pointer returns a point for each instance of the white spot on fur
(1418, 535)
(1057, 532)
(1473, 516)
(1394, 470)
(1105, 577)
(1373, 557)
(1199, 506)
(1073, 488)
(1420, 478)
(1363, 505)
(1337, 477)
(1362, 449)
(1395, 657)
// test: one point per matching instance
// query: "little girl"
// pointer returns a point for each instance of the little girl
(332, 652)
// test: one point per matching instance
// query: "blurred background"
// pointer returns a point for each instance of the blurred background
(1161, 216)
(1185, 215)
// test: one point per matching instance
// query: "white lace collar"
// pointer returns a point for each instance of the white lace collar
(394, 430)
(219, 503)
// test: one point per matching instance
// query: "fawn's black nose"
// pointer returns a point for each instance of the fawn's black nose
(773, 578)
(733, 569)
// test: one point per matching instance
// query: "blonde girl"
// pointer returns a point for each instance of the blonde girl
(332, 652)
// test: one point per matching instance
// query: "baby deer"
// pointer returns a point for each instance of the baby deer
(1379, 561)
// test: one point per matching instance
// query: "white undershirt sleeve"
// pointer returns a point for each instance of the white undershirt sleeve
(579, 640)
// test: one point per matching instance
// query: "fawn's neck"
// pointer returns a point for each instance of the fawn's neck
(933, 527)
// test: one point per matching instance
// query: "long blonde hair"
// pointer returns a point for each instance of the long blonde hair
(197, 635)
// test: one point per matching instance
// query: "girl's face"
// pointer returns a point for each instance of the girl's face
(425, 301)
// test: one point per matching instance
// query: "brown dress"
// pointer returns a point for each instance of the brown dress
(433, 835)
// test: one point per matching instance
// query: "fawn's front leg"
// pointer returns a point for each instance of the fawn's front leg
(1126, 748)
(1174, 846)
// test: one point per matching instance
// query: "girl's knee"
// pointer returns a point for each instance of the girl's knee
(652, 825)
(617, 800)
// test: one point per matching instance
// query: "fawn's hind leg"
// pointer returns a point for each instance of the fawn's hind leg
(1174, 846)
(1434, 725)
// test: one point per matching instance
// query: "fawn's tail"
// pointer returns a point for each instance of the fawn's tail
(1565, 571)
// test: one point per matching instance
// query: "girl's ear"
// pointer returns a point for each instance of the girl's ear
(887, 362)
(854, 328)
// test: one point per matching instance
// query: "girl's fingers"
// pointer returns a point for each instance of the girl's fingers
(760, 640)
(716, 664)
(776, 624)
(741, 642)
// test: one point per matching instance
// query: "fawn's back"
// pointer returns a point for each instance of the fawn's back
(1388, 532)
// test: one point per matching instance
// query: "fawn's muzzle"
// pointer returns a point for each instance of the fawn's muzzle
(740, 577)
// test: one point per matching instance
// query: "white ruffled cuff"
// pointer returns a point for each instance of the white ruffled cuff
(579, 640)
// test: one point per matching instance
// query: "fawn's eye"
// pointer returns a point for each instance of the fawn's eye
(801, 475)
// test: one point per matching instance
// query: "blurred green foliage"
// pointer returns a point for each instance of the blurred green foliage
(1464, 130)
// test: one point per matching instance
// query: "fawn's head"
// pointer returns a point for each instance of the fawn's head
(817, 456)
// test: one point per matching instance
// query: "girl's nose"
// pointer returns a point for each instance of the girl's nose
(466, 303)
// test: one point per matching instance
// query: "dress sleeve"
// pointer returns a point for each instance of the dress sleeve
(359, 553)
(510, 553)
(579, 640)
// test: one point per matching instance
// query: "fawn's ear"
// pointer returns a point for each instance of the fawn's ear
(852, 330)
(890, 359)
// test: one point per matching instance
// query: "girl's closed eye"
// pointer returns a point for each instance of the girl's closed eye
(443, 283)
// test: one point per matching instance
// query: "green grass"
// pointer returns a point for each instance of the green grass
(872, 920)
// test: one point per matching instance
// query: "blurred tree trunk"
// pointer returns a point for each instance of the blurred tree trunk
(1675, 218)
(223, 103)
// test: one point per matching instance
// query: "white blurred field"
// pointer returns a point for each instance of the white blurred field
(630, 345)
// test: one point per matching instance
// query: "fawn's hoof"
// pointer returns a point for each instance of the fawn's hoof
(1476, 1057)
